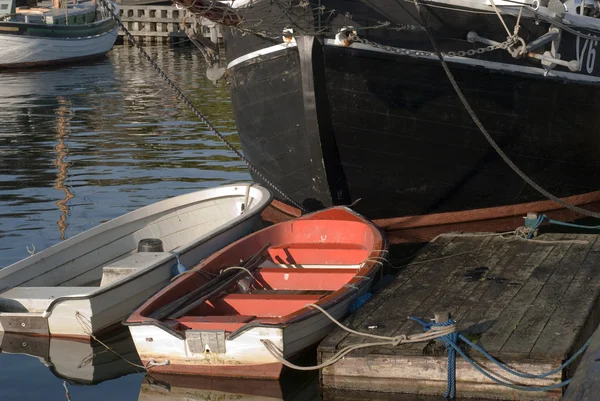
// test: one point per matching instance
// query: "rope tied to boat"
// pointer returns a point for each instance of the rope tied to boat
(445, 331)
(432, 334)
(86, 325)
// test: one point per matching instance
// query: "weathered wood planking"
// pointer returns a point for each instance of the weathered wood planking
(530, 304)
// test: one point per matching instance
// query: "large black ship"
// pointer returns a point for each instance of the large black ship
(341, 100)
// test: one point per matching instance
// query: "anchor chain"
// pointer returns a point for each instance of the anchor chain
(195, 110)
(410, 52)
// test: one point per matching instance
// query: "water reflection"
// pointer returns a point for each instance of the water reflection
(83, 144)
(63, 117)
(77, 362)
(292, 387)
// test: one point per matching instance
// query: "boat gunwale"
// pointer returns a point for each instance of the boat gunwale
(242, 218)
(363, 275)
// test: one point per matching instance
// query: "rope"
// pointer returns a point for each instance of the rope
(485, 133)
(66, 391)
(86, 325)
(195, 110)
(432, 334)
(450, 342)
(543, 217)
(500, 17)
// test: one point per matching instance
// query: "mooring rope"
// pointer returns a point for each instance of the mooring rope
(486, 134)
(443, 331)
(451, 343)
(86, 325)
(393, 341)
(195, 110)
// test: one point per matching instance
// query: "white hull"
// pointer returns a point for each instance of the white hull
(30, 50)
(91, 281)
(244, 356)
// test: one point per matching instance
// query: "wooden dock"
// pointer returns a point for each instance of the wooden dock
(163, 23)
(529, 304)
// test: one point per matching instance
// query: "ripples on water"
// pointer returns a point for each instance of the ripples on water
(82, 144)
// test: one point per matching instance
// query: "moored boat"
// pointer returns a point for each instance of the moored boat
(371, 114)
(87, 284)
(55, 32)
(216, 319)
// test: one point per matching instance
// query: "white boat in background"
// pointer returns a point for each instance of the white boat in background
(90, 282)
(78, 362)
(49, 33)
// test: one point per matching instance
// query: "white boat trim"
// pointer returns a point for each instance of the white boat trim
(491, 65)
(261, 52)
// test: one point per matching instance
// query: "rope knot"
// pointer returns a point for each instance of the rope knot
(399, 340)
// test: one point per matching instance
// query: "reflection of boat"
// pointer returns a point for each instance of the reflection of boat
(221, 322)
(297, 386)
(55, 32)
(91, 281)
(78, 362)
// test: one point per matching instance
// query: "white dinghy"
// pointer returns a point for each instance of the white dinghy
(90, 282)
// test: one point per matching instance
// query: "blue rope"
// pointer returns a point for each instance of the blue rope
(179, 267)
(450, 342)
(543, 217)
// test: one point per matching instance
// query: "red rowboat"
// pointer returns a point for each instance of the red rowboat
(212, 319)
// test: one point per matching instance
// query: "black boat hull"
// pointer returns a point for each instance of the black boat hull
(330, 125)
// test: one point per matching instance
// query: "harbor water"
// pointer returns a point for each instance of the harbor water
(80, 145)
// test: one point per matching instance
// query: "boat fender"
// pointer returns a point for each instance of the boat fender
(359, 301)
(150, 245)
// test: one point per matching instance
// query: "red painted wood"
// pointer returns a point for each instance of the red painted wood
(304, 279)
(267, 305)
(317, 253)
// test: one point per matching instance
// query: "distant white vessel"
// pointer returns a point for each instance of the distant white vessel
(55, 32)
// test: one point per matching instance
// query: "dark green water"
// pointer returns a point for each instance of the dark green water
(83, 144)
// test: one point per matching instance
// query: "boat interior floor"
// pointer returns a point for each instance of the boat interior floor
(291, 277)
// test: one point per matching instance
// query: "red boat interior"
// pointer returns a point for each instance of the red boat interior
(307, 261)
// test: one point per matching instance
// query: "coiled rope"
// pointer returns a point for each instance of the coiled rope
(195, 110)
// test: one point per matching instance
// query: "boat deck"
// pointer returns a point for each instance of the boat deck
(529, 304)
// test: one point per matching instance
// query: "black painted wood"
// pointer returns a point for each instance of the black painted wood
(389, 128)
